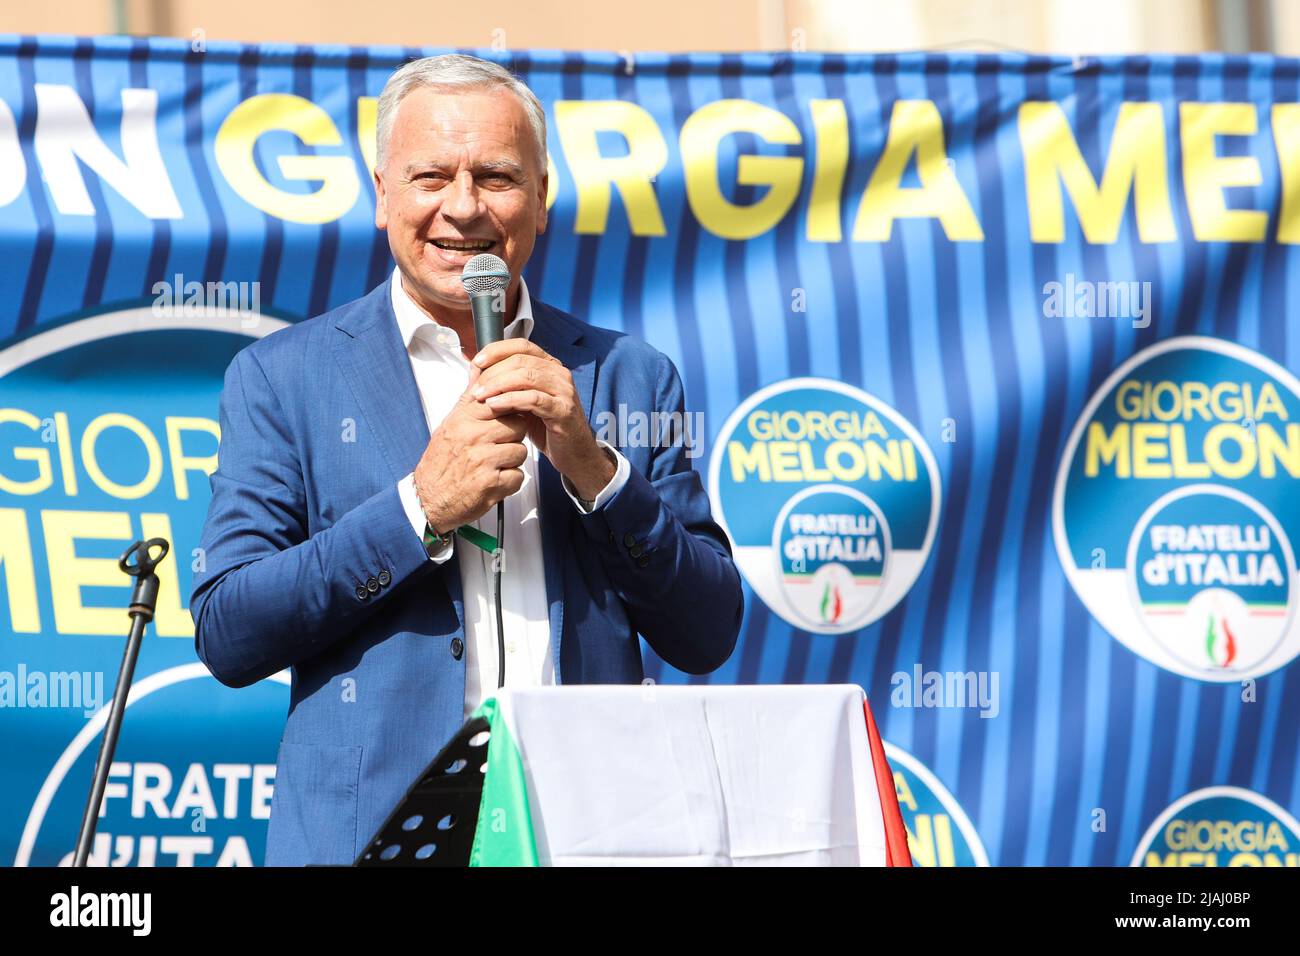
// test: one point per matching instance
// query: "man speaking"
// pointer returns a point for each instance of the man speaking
(351, 534)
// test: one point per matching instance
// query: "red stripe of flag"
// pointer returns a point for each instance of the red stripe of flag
(896, 852)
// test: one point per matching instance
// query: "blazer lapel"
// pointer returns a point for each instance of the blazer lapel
(377, 368)
(375, 364)
(559, 336)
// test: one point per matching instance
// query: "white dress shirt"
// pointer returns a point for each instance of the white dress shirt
(442, 375)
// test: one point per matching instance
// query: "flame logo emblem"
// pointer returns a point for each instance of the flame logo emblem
(832, 604)
(1220, 645)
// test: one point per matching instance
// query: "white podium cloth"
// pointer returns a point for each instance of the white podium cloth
(710, 775)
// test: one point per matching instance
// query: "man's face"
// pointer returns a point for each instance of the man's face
(462, 177)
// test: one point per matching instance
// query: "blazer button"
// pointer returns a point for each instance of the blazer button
(636, 550)
(372, 585)
(362, 593)
(457, 647)
(642, 561)
(629, 539)
(384, 579)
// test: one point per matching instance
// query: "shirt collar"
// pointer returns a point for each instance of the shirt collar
(410, 318)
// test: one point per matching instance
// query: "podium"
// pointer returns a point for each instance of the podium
(597, 775)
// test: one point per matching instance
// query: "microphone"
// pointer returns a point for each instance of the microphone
(485, 278)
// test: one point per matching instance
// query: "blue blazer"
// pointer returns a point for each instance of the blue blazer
(310, 562)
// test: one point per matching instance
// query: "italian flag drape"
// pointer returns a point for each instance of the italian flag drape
(721, 776)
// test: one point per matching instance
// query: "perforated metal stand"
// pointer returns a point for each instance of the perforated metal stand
(434, 823)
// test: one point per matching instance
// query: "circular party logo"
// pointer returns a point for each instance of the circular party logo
(1221, 826)
(197, 797)
(1176, 507)
(831, 500)
(939, 834)
(830, 545)
(109, 431)
(1207, 574)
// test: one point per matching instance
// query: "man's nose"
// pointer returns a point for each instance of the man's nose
(460, 200)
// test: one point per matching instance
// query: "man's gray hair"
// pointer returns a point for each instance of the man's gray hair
(452, 71)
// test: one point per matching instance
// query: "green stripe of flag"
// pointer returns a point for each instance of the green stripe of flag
(504, 836)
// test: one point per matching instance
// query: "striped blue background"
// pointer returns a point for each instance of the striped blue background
(934, 328)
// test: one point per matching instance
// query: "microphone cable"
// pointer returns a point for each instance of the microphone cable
(498, 558)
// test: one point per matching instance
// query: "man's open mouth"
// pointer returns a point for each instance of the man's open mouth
(464, 245)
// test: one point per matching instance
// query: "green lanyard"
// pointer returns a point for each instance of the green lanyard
(480, 539)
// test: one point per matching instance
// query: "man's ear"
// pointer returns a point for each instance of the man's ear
(381, 203)
(541, 201)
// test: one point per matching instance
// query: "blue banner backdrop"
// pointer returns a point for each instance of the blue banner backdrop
(993, 358)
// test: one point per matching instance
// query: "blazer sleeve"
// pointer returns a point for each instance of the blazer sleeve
(266, 594)
(669, 560)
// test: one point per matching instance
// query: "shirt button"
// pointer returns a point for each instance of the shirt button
(384, 579)
(511, 647)
(457, 647)
(372, 585)
(362, 593)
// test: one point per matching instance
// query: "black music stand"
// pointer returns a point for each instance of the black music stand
(435, 822)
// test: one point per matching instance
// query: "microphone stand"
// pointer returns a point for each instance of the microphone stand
(144, 600)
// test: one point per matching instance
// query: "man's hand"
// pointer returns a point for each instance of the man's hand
(472, 461)
(517, 377)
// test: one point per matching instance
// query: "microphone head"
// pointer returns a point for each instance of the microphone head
(485, 273)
